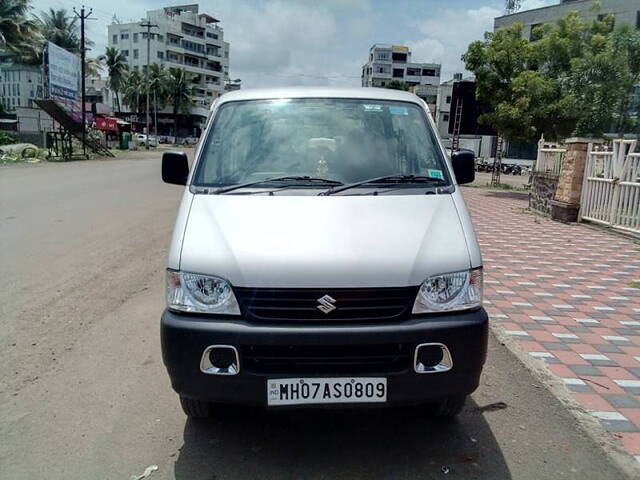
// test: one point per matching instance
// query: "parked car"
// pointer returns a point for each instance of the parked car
(323, 254)
(142, 140)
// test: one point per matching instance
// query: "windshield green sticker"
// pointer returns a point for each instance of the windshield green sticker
(394, 110)
(372, 108)
(435, 174)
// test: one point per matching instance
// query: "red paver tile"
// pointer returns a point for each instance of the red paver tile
(632, 414)
(617, 373)
(583, 348)
(593, 401)
(566, 261)
(630, 441)
(561, 370)
(570, 358)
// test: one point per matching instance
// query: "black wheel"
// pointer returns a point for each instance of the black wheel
(196, 408)
(451, 406)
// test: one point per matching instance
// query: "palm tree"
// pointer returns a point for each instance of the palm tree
(58, 27)
(92, 67)
(17, 32)
(179, 94)
(132, 93)
(158, 80)
(117, 68)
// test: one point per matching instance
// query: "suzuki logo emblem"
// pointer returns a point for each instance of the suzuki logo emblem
(326, 304)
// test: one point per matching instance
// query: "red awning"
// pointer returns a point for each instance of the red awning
(107, 123)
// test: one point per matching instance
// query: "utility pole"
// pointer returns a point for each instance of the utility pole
(82, 18)
(148, 25)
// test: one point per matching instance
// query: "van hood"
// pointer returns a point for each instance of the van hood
(330, 241)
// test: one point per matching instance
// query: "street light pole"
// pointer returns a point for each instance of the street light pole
(148, 25)
(83, 17)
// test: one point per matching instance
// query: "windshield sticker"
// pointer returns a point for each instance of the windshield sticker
(435, 174)
(372, 108)
(398, 110)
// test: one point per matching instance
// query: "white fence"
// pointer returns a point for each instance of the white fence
(550, 158)
(611, 188)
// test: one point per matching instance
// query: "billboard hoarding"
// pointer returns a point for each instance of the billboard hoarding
(63, 78)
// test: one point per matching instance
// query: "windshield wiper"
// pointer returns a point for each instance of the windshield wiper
(304, 178)
(391, 179)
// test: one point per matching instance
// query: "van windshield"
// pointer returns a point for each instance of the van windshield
(345, 140)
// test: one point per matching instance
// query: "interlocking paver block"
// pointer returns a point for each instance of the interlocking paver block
(562, 293)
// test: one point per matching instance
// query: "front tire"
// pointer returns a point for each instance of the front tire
(196, 408)
(450, 407)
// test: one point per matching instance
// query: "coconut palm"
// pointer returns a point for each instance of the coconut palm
(17, 32)
(92, 67)
(58, 27)
(133, 94)
(179, 94)
(158, 80)
(117, 68)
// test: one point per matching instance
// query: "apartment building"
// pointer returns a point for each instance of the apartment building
(393, 62)
(19, 85)
(183, 38)
(443, 108)
(624, 11)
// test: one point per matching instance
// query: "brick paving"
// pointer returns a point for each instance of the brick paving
(563, 292)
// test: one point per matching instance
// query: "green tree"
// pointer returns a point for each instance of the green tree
(117, 69)
(58, 27)
(179, 94)
(397, 85)
(575, 79)
(132, 94)
(158, 83)
(17, 31)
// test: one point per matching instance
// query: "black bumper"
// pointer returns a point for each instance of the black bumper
(184, 338)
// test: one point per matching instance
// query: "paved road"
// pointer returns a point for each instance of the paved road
(84, 393)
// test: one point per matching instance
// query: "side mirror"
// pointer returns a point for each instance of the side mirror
(464, 167)
(175, 167)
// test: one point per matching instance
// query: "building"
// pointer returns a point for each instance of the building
(393, 62)
(443, 108)
(19, 85)
(428, 93)
(624, 11)
(183, 38)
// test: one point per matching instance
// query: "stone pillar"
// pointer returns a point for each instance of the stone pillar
(566, 202)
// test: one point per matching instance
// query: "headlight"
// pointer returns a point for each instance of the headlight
(190, 292)
(450, 291)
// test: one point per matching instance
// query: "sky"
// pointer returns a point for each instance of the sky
(318, 42)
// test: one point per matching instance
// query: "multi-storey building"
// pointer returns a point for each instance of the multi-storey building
(393, 62)
(19, 85)
(624, 11)
(183, 38)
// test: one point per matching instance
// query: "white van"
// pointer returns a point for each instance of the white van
(322, 255)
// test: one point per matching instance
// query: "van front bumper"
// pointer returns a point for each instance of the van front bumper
(185, 337)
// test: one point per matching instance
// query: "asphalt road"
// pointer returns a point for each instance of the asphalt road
(84, 393)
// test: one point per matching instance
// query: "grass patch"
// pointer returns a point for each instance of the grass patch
(635, 285)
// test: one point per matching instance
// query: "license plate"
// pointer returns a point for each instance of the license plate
(300, 391)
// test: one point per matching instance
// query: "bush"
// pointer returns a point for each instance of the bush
(7, 138)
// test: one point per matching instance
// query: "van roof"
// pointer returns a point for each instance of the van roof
(319, 92)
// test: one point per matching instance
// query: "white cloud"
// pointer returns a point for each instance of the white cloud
(447, 35)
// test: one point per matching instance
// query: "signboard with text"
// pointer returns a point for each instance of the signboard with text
(64, 78)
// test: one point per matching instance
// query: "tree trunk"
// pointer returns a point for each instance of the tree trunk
(175, 122)
(117, 101)
(155, 114)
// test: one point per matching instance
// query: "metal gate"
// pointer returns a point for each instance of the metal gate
(611, 188)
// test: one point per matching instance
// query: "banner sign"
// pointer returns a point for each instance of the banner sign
(107, 123)
(64, 73)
